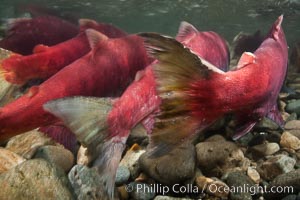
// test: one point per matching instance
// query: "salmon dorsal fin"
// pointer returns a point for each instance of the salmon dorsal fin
(186, 30)
(246, 59)
(40, 48)
(87, 22)
(94, 37)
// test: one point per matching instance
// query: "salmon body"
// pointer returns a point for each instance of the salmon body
(103, 125)
(46, 61)
(24, 34)
(105, 71)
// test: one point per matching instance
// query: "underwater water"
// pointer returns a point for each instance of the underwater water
(227, 18)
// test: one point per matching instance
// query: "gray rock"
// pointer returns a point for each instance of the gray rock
(215, 158)
(122, 175)
(275, 166)
(131, 160)
(265, 149)
(177, 166)
(87, 183)
(140, 191)
(288, 183)
(266, 124)
(215, 138)
(210, 186)
(8, 160)
(138, 135)
(290, 197)
(35, 179)
(27, 143)
(290, 141)
(159, 197)
(293, 106)
(239, 179)
(56, 155)
(293, 127)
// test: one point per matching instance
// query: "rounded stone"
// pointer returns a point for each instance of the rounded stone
(122, 175)
(35, 179)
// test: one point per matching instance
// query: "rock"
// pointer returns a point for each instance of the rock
(293, 127)
(122, 175)
(138, 135)
(183, 162)
(131, 160)
(82, 156)
(290, 141)
(265, 149)
(8, 160)
(123, 194)
(274, 137)
(35, 179)
(266, 124)
(239, 179)
(287, 183)
(215, 138)
(275, 166)
(27, 143)
(293, 106)
(290, 197)
(140, 191)
(211, 186)
(87, 183)
(159, 197)
(253, 175)
(57, 155)
(215, 158)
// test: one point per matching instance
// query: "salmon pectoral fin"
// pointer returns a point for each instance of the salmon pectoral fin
(86, 117)
(243, 129)
(276, 116)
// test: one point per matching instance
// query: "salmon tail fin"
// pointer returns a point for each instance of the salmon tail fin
(86, 117)
(7, 89)
(175, 72)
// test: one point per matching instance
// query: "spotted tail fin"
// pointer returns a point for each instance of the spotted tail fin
(177, 68)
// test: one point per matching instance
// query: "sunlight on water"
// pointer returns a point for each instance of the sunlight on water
(226, 17)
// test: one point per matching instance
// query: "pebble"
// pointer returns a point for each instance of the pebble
(86, 183)
(56, 155)
(290, 197)
(239, 179)
(253, 174)
(131, 160)
(83, 157)
(177, 166)
(160, 197)
(275, 166)
(215, 158)
(27, 143)
(122, 193)
(290, 141)
(8, 160)
(266, 124)
(138, 135)
(282, 182)
(293, 127)
(210, 186)
(140, 191)
(265, 149)
(35, 179)
(122, 175)
(293, 106)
